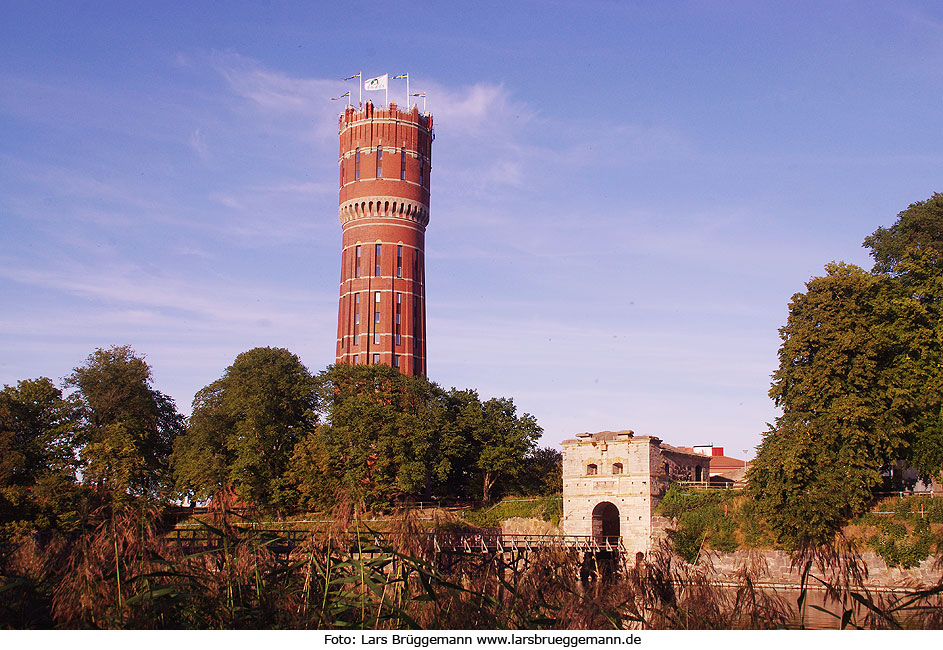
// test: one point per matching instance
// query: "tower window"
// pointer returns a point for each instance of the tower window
(422, 169)
(402, 163)
(356, 359)
(399, 261)
(357, 263)
(591, 469)
(399, 307)
(376, 359)
(356, 319)
(357, 164)
(396, 361)
(377, 273)
(376, 337)
(379, 162)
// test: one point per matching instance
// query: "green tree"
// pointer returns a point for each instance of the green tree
(381, 440)
(818, 465)
(129, 427)
(37, 432)
(488, 441)
(542, 474)
(37, 455)
(860, 382)
(919, 227)
(244, 427)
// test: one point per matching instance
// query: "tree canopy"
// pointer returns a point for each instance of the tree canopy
(128, 427)
(245, 425)
(918, 227)
(390, 436)
(859, 382)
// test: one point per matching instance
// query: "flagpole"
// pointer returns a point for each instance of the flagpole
(407, 91)
(360, 83)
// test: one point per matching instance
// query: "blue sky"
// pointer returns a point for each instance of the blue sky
(625, 194)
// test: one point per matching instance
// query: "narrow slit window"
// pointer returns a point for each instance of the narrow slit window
(422, 169)
(356, 359)
(376, 359)
(402, 163)
(399, 261)
(399, 308)
(357, 263)
(357, 164)
(379, 162)
(396, 361)
(377, 273)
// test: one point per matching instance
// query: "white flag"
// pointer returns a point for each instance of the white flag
(377, 83)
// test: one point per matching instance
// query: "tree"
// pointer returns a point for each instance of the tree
(819, 464)
(542, 473)
(860, 382)
(38, 460)
(920, 227)
(244, 427)
(380, 443)
(487, 443)
(129, 427)
(37, 432)
(504, 440)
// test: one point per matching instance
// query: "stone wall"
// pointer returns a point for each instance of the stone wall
(775, 568)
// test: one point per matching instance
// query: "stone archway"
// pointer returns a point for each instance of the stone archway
(606, 521)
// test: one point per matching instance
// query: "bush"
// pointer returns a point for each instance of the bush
(702, 518)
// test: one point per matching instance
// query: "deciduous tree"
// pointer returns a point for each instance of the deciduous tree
(129, 427)
(244, 427)
(860, 382)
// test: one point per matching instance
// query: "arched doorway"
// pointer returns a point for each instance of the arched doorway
(606, 521)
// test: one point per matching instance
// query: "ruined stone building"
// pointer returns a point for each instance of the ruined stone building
(385, 162)
(613, 480)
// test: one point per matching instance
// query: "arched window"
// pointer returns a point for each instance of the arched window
(357, 164)
(379, 162)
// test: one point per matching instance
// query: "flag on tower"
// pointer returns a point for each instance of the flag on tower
(347, 94)
(401, 76)
(377, 83)
(349, 78)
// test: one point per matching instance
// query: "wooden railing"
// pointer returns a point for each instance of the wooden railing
(200, 539)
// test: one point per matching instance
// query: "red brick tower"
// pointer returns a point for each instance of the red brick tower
(385, 160)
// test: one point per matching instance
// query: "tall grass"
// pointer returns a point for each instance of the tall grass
(123, 572)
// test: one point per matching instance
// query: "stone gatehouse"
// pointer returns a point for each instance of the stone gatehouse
(613, 480)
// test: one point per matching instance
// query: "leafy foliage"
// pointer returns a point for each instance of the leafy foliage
(391, 437)
(129, 427)
(703, 519)
(244, 428)
(860, 382)
(920, 227)
(38, 430)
